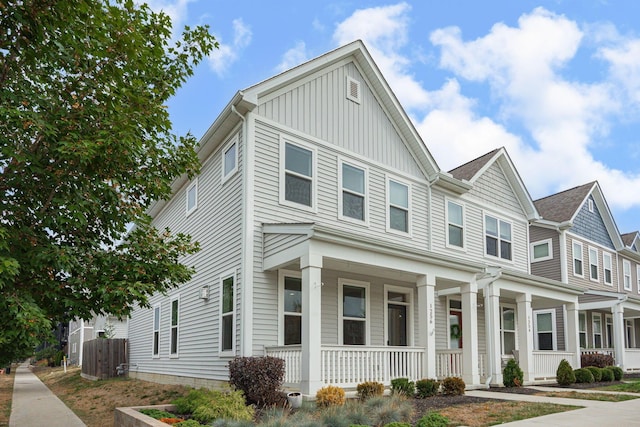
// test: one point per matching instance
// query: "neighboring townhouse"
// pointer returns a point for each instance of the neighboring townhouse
(330, 238)
(577, 242)
(81, 331)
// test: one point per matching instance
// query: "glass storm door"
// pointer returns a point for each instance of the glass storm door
(455, 329)
(397, 327)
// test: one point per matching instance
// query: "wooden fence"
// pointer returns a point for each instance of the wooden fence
(102, 356)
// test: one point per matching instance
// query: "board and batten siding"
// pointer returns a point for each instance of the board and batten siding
(318, 106)
(217, 225)
(551, 268)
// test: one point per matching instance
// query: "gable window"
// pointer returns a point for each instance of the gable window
(354, 312)
(497, 237)
(291, 289)
(541, 251)
(582, 329)
(173, 345)
(156, 331)
(626, 274)
(227, 313)
(593, 264)
(297, 179)
(596, 324)
(607, 266)
(192, 196)
(353, 200)
(398, 200)
(577, 259)
(230, 160)
(508, 329)
(545, 330)
(455, 224)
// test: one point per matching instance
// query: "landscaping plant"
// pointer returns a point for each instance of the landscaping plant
(607, 374)
(583, 375)
(453, 386)
(433, 419)
(564, 373)
(206, 405)
(596, 372)
(369, 389)
(427, 388)
(512, 374)
(403, 387)
(259, 378)
(330, 396)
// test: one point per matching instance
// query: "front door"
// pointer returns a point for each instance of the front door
(397, 327)
(455, 329)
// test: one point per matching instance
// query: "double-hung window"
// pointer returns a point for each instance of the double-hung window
(593, 264)
(497, 237)
(607, 266)
(577, 259)
(596, 323)
(298, 175)
(192, 196)
(353, 188)
(582, 329)
(175, 318)
(354, 312)
(508, 329)
(545, 330)
(230, 159)
(156, 331)
(227, 312)
(455, 224)
(626, 274)
(398, 199)
(291, 289)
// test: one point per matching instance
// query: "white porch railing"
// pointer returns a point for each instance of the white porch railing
(632, 359)
(449, 363)
(348, 366)
(609, 351)
(545, 363)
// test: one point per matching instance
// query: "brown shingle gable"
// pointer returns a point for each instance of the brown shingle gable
(470, 169)
(562, 206)
(628, 238)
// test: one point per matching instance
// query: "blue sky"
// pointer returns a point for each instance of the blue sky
(555, 82)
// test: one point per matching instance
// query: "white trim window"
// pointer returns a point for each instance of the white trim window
(352, 200)
(155, 351)
(545, 330)
(582, 329)
(191, 196)
(290, 304)
(576, 250)
(541, 250)
(593, 264)
(230, 159)
(174, 329)
(590, 205)
(508, 329)
(596, 325)
(497, 237)
(638, 277)
(626, 274)
(227, 313)
(455, 224)
(399, 206)
(353, 312)
(607, 266)
(297, 175)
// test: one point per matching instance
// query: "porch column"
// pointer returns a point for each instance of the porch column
(573, 334)
(426, 286)
(311, 266)
(618, 333)
(470, 371)
(492, 325)
(525, 336)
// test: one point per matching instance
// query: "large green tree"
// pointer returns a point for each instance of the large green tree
(86, 146)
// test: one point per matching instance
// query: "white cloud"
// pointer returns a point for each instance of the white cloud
(222, 58)
(294, 56)
(176, 10)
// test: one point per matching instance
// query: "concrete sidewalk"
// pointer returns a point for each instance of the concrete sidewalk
(34, 405)
(594, 413)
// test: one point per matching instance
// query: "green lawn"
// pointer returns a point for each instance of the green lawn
(631, 385)
(604, 397)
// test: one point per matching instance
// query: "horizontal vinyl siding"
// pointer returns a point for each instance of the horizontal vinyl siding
(217, 225)
(319, 107)
(550, 268)
(442, 324)
(585, 282)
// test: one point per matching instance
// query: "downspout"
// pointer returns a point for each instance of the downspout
(484, 282)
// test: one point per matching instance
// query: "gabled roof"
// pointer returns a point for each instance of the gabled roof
(629, 239)
(358, 53)
(471, 171)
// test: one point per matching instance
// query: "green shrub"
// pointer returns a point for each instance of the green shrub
(618, 373)
(596, 372)
(398, 424)
(433, 419)
(188, 423)
(207, 405)
(512, 375)
(426, 388)
(583, 375)
(403, 386)
(453, 386)
(369, 389)
(607, 374)
(564, 373)
(156, 413)
(259, 378)
(598, 360)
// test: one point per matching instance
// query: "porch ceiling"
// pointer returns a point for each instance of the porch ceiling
(368, 270)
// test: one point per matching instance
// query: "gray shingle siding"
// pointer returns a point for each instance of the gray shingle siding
(590, 225)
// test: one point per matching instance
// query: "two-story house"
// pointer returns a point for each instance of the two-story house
(331, 238)
(577, 242)
(81, 331)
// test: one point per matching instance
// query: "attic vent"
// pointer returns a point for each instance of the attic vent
(590, 205)
(353, 90)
